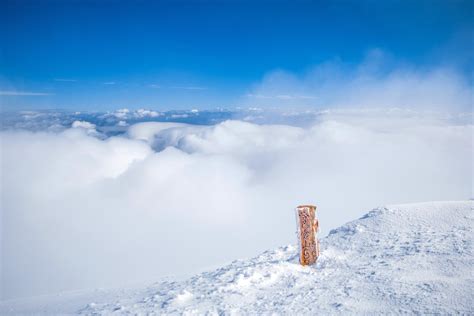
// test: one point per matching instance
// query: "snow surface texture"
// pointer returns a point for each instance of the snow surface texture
(413, 258)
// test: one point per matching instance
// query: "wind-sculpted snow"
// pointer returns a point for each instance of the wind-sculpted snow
(415, 258)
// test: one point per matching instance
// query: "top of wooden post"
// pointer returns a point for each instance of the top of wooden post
(309, 206)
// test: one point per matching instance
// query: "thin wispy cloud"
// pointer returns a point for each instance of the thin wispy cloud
(110, 82)
(257, 96)
(24, 93)
(375, 82)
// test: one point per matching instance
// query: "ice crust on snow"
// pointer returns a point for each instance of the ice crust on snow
(413, 258)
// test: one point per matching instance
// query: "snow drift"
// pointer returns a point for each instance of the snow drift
(414, 258)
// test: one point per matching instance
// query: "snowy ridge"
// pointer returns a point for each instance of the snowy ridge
(395, 259)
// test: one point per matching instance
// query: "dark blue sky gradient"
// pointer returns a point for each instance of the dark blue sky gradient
(207, 52)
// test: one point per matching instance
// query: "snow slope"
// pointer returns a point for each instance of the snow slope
(396, 259)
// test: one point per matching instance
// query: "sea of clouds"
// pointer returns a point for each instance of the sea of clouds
(108, 199)
(82, 211)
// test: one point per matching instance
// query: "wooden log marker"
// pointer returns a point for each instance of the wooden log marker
(307, 229)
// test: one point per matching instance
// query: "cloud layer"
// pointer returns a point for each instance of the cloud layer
(23, 93)
(377, 82)
(165, 198)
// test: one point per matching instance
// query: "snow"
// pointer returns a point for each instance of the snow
(412, 258)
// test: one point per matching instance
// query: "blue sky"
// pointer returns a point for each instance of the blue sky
(204, 54)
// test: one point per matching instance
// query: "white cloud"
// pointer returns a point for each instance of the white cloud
(120, 114)
(124, 114)
(80, 212)
(83, 124)
(147, 130)
(23, 93)
(146, 113)
(376, 82)
(87, 127)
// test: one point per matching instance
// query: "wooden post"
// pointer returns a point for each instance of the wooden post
(307, 229)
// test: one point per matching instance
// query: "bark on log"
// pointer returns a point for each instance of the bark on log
(307, 225)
